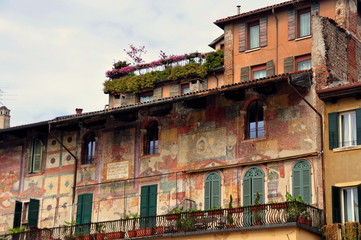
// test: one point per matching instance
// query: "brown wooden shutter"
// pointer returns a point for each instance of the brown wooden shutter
(245, 74)
(315, 9)
(289, 64)
(263, 32)
(270, 68)
(291, 24)
(242, 37)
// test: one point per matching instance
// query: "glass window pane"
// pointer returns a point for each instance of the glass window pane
(355, 204)
(254, 37)
(304, 65)
(185, 90)
(345, 136)
(260, 129)
(259, 74)
(347, 208)
(305, 24)
(252, 130)
(353, 129)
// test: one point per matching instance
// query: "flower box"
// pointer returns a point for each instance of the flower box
(279, 205)
(99, 236)
(115, 235)
(257, 207)
(160, 229)
(193, 214)
(236, 210)
(215, 212)
(172, 216)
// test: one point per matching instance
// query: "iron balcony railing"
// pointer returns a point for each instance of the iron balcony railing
(192, 221)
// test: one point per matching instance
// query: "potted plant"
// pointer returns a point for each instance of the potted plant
(174, 213)
(134, 219)
(68, 230)
(296, 208)
(193, 212)
(16, 231)
(257, 216)
(230, 220)
(115, 233)
(230, 206)
(100, 231)
(215, 211)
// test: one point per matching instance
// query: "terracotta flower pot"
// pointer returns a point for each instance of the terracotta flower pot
(279, 205)
(100, 236)
(230, 226)
(257, 223)
(193, 214)
(149, 231)
(140, 232)
(160, 229)
(132, 233)
(115, 235)
(172, 216)
(236, 210)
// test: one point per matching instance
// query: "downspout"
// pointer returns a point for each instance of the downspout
(276, 18)
(321, 144)
(75, 166)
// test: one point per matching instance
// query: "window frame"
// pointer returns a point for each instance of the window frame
(185, 86)
(252, 175)
(151, 141)
(249, 40)
(302, 166)
(212, 191)
(258, 128)
(343, 206)
(34, 154)
(299, 13)
(301, 59)
(352, 129)
(89, 138)
(259, 68)
(149, 94)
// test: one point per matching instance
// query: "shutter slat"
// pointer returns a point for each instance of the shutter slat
(258, 186)
(296, 182)
(17, 214)
(358, 126)
(216, 193)
(289, 64)
(315, 9)
(306, 188)
(270, 68)
(333, 130)
(242, 37)
(245, 74)
(247, 192)
(207, 199)
(336, 204)
(291, 24)
(33, 213)
(263, 31)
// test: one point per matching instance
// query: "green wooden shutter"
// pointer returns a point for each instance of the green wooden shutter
(37, 156)
(216, 192)
(358, 126)
(152, 205)
(336, 204)
(84, 211)
(296, 182)
(315, 9)
(33, 213)
(306, 185)
(207, 193)
(333, 130)
(247, 192)
(79, 209)
(359, 200)
(144, 200)
(258, 186)
(17, 213)
(30, 157)
(245, 74)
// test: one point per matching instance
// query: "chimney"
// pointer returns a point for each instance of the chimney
(4, 117)
(238, 9)
(78, 110)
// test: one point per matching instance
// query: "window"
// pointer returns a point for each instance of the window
(253, 35)
(304, 22)
(301, 180)
(151, 141)
(259, 71)
(212, 191)
(84, 212)
(343, 129)
(303, 62)
(345, 204)
(185, 88)
(35, 156)
(89, 149)
(146, 97)
(26, 214)
(148, 205)
(255, 128)
(253, 182)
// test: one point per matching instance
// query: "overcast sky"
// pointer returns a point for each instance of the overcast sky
(54, 53)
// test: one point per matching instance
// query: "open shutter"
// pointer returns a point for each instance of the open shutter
(33, 213)
(216, 192)
(17, 214)
(37, 156)
(336, 205)
(79, 209)
(258, 186)
(306, 185)
(247, 192)
(30, 157)
(359, 200)
(289, 64)
(207, 199)
(245, 74)
(358, 126)
(291, 24)
(315, 9)
(144, 198)
(152, 205)
(263, 31)
(270, 68)
(333, 130)
(242, 37)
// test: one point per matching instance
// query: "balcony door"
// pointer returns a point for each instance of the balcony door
(148, 205)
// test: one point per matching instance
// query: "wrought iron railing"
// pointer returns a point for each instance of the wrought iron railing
(219, 219)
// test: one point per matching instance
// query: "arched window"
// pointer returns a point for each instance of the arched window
(151, 141)
(253, 182)
(255, 122)
(212, 191)
(35, 156)
(89, 149)
(301, 180)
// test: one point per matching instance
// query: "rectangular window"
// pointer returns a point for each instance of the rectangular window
(253, 35)
(349, 205)
(146, 97)
(258, 71)
(185, 88)
(347, 128)
(304, 22)
(303, 62)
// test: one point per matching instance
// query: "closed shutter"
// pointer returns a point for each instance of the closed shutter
(153, 190)
(33, 213)
(245, 74)
(263, 31)
(270, 68)
(37, 156)
(148, 205)
(333, 130)
(216, 192)
(247, 192)
(315, 9)
(17, 214)
(301, 180)
(296, 182)
(358, 126)
(336, 205)
(79, 209)
(258, 186)
(84, 211)
(242, 37)
(30, 158)
(306, 188)
(207, 192)
(289, 64)
(359, 200)
(291, 24)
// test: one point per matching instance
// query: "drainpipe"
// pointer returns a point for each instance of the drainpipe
(75, 166)
(321, 145)
(276, 18)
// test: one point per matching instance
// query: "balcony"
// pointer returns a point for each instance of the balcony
(199, 222)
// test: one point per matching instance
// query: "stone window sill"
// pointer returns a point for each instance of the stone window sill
(350, 148)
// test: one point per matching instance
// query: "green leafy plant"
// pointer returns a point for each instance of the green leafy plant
(214, 59)
(257, 213)
(176, 210)
(100, 227)
(297, 206)
(229, 215)
(17, 230)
